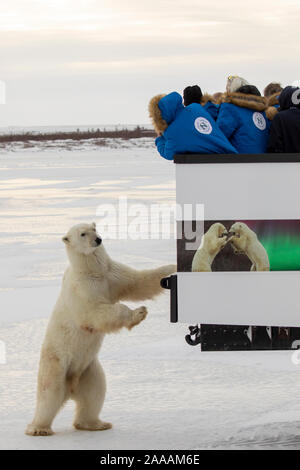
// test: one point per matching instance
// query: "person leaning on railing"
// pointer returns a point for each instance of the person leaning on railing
(242, 119)
(189, 129)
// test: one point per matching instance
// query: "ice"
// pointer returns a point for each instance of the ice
(162, 393)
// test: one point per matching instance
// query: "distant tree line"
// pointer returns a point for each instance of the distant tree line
(124, 133)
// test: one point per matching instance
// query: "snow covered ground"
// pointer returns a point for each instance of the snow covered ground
(162, 393)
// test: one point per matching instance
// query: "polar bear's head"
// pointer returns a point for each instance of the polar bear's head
(240, 229)
(82, 238)
(218, 230)
(240, 235)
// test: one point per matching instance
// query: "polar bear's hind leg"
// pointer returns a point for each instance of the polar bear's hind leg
(89, 397)
(50, 397)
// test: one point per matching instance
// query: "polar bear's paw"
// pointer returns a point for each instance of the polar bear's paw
(138, 315)
(94, 426)
(169, 269)
(33, 430)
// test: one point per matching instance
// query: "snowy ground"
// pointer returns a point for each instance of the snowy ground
(162, 393)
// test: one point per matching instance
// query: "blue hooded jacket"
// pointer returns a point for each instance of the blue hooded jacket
(190, 129)
(243, 120)
(212, 109)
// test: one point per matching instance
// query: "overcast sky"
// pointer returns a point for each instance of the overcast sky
(100, 61)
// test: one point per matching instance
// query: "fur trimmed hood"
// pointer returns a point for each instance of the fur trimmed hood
(257, 103)
(273, 105)
(155, 111)
(164, 109)
(218, 97)
(206, 98)
(281, 101)
(158, 122)
(273, 99)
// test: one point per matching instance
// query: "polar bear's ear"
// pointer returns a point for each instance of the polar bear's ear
(65, 239)
(94, 225)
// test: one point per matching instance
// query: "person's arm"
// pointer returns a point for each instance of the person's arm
(163, 148)
(227, 120)
(275, 143)
(212, 109)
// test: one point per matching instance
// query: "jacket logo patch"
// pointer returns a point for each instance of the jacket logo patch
(259, 121)
(203, 126)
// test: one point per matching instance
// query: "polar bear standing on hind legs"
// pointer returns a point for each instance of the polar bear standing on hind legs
(245, 241)
(212, 242)
(88, 307)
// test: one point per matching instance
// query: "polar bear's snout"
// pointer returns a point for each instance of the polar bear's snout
(234, 234)
(223, 234)
(98, 241)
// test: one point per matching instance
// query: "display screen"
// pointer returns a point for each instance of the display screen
(238, 245)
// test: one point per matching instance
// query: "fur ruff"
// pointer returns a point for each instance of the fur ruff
(271, 112)
(158, 122)
(257, 103)
(205, 98)
(273, 99)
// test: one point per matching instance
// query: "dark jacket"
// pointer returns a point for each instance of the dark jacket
(243, 120)
(285, 127)
(189, 129)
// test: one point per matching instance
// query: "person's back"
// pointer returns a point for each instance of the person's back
(188, 129)
(243, 120)
(285, 127)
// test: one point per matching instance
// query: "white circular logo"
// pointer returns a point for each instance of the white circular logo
(296, 97)
(203, 125)
(259, 121)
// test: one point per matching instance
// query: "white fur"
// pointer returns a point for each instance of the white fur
(246, 241)
(87, 308)
(212, 243)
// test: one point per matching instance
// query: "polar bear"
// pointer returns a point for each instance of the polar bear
(244, 240)
(211, 244)
(88, 307)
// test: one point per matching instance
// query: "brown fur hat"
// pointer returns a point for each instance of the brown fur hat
(158, 122)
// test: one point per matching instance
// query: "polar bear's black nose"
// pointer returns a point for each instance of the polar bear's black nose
(98, 241)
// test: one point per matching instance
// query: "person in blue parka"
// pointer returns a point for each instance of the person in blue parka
(189, 129)
(243, 120)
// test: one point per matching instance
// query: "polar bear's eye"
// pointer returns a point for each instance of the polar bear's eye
(83, 234)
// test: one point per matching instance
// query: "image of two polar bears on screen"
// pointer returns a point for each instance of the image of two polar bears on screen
(241, 240)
